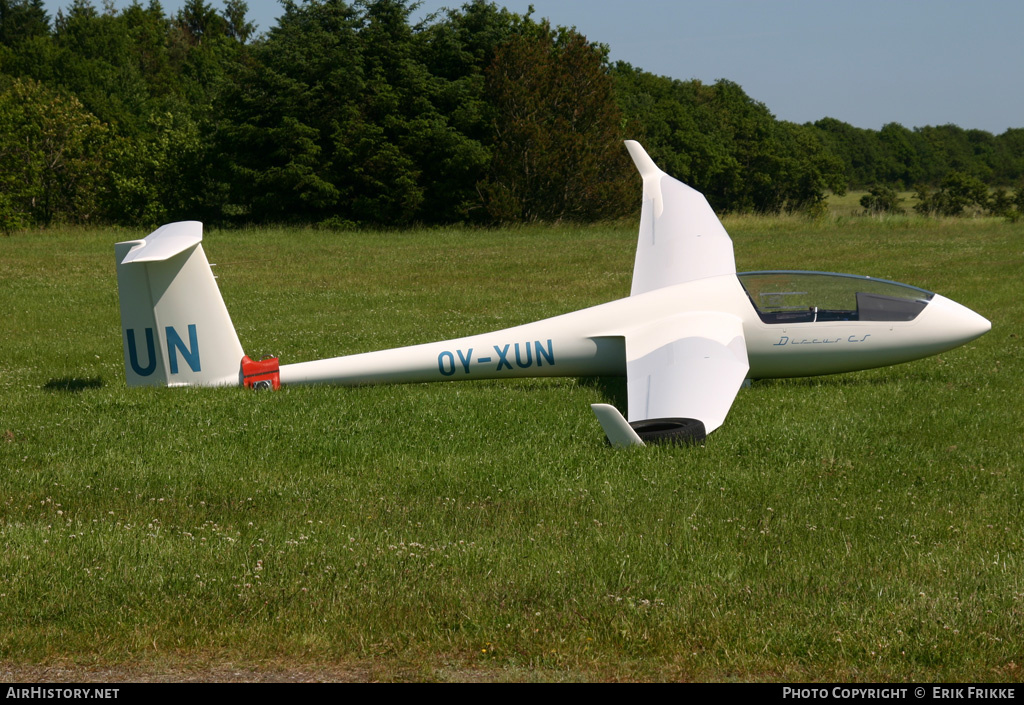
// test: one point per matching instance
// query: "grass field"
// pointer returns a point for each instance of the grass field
(860, 527)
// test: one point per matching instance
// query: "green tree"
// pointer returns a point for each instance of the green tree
(238, 26)
(1008, 158)
(52, 157)
(669, 118)
(457, 50)
(154, 178)
(858, 149)
(1001, 203)
(949, 148)
(26, 44)
(93, 60)
(200, 22)
(408, 162)
(728, 146)
(807, 170)
(337, 116)
(21, 20)
(749, 179)
(900, 160)
(287, 100)
(557, 143)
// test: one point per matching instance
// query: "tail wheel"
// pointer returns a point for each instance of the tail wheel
(670, 431)
(261, 374)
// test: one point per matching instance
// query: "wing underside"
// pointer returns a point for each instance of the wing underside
(686, 366)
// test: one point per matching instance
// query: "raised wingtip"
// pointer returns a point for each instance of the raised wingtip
(620, 434)
(644, 164)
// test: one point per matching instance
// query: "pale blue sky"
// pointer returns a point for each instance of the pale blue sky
(866, 62)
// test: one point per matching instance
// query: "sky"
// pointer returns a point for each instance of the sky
(865, 62)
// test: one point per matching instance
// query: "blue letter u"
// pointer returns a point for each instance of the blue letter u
(133, 355)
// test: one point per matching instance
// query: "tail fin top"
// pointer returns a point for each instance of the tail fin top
(175, 328)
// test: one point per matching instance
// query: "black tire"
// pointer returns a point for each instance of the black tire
(670, 431)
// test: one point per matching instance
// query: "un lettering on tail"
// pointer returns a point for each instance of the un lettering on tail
(175, 327)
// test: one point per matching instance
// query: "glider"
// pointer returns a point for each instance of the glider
(688, 335)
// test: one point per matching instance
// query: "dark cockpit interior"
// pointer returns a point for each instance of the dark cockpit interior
(810, 297)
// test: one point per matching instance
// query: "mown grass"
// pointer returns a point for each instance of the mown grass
(862, 527)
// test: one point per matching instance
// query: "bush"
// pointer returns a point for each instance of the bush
(957, 192)
(881, 199)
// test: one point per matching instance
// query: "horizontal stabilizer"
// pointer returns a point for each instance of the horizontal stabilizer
(165, 242)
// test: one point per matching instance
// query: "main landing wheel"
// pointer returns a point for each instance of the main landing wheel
(670, 431)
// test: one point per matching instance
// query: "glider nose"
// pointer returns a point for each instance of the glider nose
(959, 324)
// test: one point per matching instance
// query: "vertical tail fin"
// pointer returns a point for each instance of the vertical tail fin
(175, 328)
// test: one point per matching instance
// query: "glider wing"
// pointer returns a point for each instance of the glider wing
(681, 238)
(686, 366)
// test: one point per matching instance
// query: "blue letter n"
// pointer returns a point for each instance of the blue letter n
(175, 343)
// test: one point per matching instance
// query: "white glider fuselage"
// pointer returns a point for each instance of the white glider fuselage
(591, 342)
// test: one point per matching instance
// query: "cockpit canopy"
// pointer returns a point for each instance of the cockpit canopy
(806, 297)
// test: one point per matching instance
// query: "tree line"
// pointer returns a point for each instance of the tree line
(349, 113)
